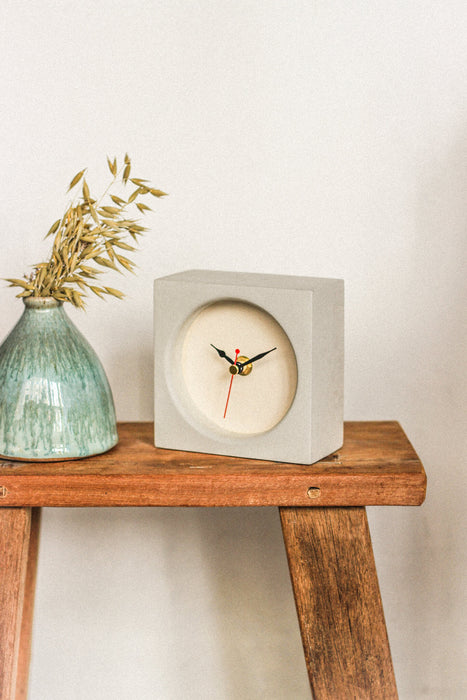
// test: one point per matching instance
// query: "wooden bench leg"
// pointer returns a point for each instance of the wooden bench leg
(19, 535)
(22, 675)
(338, 603)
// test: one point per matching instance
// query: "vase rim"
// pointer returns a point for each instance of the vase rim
(41, 302)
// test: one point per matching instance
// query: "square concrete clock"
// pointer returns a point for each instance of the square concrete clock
(249, 365)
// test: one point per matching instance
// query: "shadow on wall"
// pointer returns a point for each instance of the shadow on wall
(134, 398)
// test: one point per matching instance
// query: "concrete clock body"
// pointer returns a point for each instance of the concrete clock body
(249, 365)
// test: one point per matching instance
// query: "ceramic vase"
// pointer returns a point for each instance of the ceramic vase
(55, 400)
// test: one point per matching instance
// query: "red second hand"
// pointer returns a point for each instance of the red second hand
(237, 352)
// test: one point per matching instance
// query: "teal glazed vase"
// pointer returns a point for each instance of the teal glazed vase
(55, 400)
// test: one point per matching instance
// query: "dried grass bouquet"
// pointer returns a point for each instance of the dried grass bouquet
(91, 235)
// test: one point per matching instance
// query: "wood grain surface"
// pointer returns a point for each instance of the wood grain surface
(22, 675)
(338, 603)
(377, 465)
(15, 527)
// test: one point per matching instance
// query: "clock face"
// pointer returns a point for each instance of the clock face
(237, 396)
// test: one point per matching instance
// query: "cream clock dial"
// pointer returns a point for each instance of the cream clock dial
(229, 391)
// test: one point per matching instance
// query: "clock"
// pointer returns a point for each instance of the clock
(249, 365)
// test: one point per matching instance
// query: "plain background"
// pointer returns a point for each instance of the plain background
(316, 137)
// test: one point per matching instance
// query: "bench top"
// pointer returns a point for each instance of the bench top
(377, 465)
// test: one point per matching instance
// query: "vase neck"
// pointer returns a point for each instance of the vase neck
(41, 303)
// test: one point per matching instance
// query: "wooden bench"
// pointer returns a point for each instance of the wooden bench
(324, 524)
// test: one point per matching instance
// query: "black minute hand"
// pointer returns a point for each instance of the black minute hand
(221, 353)
(256, 357)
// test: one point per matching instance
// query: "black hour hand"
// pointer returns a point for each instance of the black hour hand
(256, 357)
(221, 353)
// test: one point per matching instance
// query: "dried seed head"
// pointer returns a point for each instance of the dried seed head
(89, 232)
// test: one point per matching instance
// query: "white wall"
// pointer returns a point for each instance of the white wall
(304, 137)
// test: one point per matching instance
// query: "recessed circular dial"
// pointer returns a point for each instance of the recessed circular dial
(238, 367)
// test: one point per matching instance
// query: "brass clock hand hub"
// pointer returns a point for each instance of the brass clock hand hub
(241, 367)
